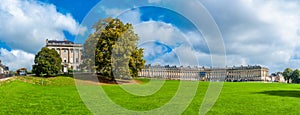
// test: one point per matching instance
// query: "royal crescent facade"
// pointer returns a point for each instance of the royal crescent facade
(241, 73)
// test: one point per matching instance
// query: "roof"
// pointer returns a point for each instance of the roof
(61, 42)
(64, 43)
(211, 68)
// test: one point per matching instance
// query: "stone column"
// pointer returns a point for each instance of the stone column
(69, 55)
(59, 51)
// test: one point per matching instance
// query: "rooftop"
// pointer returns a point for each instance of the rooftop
(195, 67)
(61, 42)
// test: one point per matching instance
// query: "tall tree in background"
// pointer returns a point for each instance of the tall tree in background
(116, 53)
(287, 74)
(295, 76)
(48, 62)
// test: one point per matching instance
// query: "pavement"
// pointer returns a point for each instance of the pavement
(7, 78)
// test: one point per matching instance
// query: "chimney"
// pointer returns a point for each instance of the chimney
(46, 41)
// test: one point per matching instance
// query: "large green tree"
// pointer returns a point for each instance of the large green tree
(295, 76)
(47, 61)
(112, 48)
(287, 74)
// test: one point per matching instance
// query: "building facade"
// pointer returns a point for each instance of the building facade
(4, 70)
(252, 73)
(242, 73)
(70, 53)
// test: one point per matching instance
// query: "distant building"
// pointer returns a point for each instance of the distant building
(277, 77)
(69, 52)
(242, 73)
(4, 70)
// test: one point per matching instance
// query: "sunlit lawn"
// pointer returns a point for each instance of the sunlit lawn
(59, 96)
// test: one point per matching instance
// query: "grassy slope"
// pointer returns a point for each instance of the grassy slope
(59, 96)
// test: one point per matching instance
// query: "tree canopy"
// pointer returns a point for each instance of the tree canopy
(112, 48)
(295, 76)
(289, 74)
(47, 61)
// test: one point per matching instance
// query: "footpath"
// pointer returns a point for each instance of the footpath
(7, 78)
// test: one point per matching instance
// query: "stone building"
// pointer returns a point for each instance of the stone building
(252, 73)
(242, 73)
(173, 72)
(70, 53)
(4, 70)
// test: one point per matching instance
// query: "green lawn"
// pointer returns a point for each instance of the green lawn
(59, 95)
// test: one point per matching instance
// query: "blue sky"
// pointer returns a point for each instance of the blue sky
(254, 32)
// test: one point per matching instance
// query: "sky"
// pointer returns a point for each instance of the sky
(254, 32)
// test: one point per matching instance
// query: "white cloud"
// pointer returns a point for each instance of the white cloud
(185, 48)
(82, 30)
(155, 30)
(26, 24)
(259, 32)
(254, 32)
(16, 59)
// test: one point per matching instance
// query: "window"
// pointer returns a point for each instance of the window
(71, 60)
(77, 60)
(65, 60)
(65, 50)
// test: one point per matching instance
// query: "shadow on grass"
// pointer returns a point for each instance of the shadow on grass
(91, 77)
(283, 93)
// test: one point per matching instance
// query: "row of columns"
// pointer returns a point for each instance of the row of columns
(209, 74)
(71, 57)
(76, 52)
(253, 74)
(170, 73)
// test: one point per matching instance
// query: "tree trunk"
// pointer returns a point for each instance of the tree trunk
(112, 77)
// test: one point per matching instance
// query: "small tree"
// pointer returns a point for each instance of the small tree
(287, 74)
(48, 62)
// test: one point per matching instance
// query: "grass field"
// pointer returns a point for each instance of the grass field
(30, 95)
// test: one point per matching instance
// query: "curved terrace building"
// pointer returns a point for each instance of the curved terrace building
(242, 73)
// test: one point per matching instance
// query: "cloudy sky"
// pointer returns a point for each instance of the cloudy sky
(262, 32)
